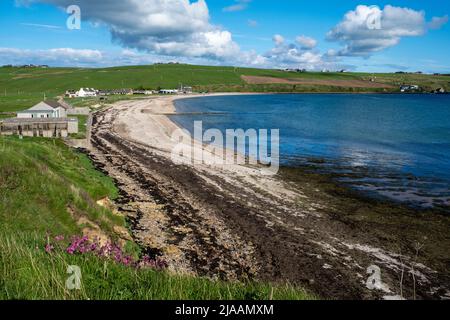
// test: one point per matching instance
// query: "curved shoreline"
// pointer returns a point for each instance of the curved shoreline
(234, 224)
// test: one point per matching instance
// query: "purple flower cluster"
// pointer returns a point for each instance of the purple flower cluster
(82, 245)
(157, 263)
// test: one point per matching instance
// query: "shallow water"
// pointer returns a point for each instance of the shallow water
(394, 146)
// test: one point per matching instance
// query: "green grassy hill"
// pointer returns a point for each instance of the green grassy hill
(47, 190)
(21, 87)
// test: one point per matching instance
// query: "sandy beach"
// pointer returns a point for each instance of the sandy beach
(230, 222)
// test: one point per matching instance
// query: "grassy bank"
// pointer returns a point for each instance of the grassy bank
(47, 189)
(22, 87)
(30, 273)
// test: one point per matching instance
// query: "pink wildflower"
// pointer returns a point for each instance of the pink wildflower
(49, 248)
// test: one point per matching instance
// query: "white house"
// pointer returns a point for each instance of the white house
(86, 92)
(185, 89)
(45, 109)
(409, 88)
(71, 93)
(168, 91)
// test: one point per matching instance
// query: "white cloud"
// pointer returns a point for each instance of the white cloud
(165, 27)
(239, 6)
(56, 57)
(306, 42)
(282, 55)
(437, 22)
(369, 29)
(252, 23)
(278, 39)
(252, 58)
(69, 57)
(300, 55)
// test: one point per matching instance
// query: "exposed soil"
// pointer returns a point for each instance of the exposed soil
(235, 224)
(333, 83)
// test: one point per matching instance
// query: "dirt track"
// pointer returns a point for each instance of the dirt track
(234, 224)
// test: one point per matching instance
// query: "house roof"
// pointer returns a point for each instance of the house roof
(45, 106)
(54, 104)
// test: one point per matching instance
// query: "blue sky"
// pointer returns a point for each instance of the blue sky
(412, 35)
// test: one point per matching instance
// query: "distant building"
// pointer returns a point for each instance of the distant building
(44, 66)
(145, 92)
(127, 92)
(71, 94)
(86, 92)
(295, 70)
(185, 89)
(409, 88)
(45, 109)
(104, 93)
(168, 91)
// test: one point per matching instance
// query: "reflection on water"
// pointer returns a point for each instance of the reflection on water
(394, 146)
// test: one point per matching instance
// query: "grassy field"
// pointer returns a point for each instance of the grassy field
(22, 87)
(47, 189)
(32, 274)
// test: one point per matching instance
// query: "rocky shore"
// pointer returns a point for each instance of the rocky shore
(233, 223)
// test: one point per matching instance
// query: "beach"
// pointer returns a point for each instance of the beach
(231, 222)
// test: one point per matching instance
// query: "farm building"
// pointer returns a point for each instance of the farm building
(39, 127)
(71, 93)
(185, 89)
(409, 88)
(144, 92)
(45, 109)
(168, 91)
(113, 92)
(86, 92)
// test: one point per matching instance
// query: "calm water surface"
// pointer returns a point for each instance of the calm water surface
(395, 146)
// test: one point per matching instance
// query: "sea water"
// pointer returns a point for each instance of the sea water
(387, 145)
